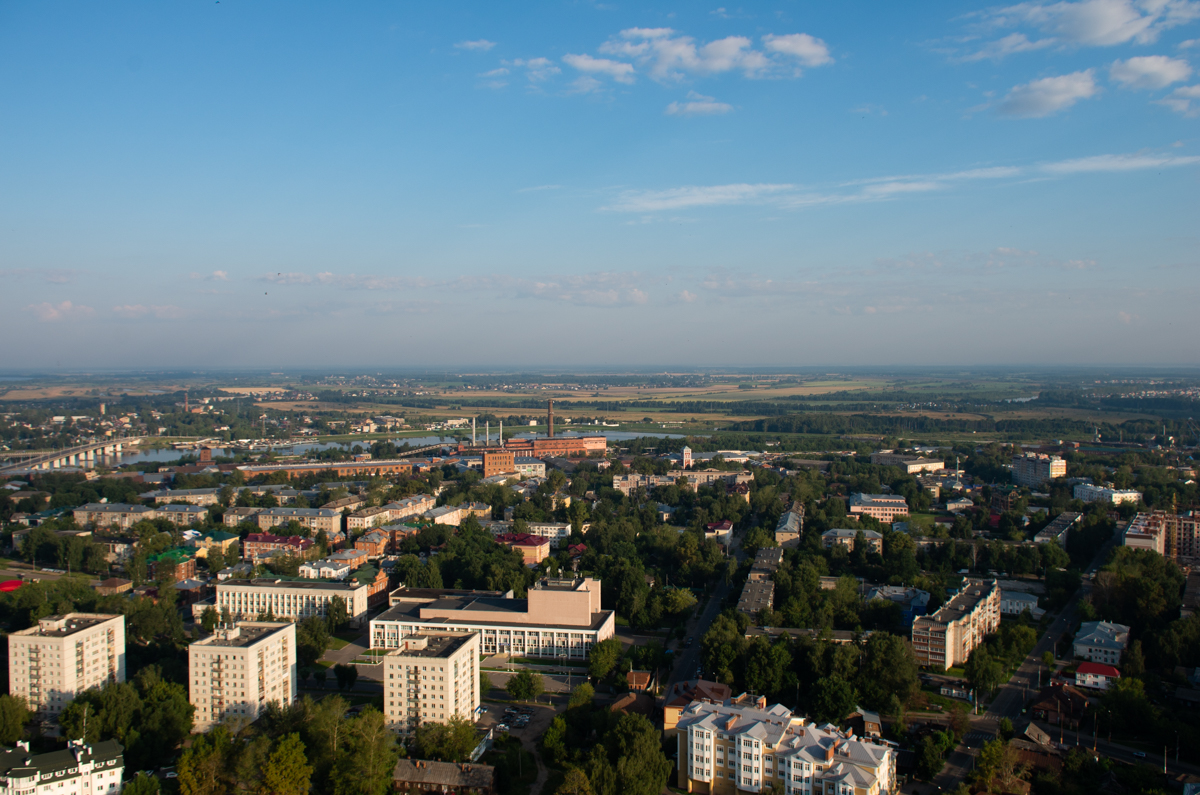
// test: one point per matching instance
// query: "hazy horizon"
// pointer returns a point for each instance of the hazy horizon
(473, 187)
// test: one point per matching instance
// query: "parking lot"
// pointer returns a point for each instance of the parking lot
(538, 716)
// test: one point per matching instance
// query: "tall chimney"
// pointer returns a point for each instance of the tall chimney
(487, 433)
(550, 418)
(472, 431)
(502, 433)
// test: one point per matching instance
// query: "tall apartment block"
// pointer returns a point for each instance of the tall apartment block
(948, 637)
(1035, 469)
(431, 679)
(240, 668)
(52, 663)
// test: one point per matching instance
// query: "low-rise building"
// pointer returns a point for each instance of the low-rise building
(558, 618)
(742, 745)
(1096, 676)
(258, 546)
(1036, 469)
(214, 539)
(848, 538)
(790, 527)
(913, 601)
(191, 496)
(392, 512)
(1101, 642)
(64, 655)
(626, 484)
(240, 669)
(374, 543)
(1088, 492)
(757, 595)
(1014, 603)
(911, 464)
(947, 638)
(884, 507)
(431, 678)
(454, 514)
(181, 515)
(527, 467)
(1058, 530)
(421, 776)
(112, 514)
(79, 769)
(316, 519)
(533, 549)
(555, 532)
(292, 599)
(180, 562)
(325, 570)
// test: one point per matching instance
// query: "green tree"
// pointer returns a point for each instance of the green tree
(983, 672)
(368, 757)
(141, 784)
(641, 766)
(554, 741)
(888, 668)
(215, 559)
(287, 771)
(833, 699)
(485, 683)
(336, 614)
(203, 768)
(1006, 729)
(346, 675)
(929, 758)
(14, 715)
(452, 741)
(603, 658)
(209, 619)
(582, 696)
(312, 640)
(575, 782)
(524, 686)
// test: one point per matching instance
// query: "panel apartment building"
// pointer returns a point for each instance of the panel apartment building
(1172, 535)
(79, 769)
(1036, 469)
(430, 679)
(241, 668)
(884, 507)
(392, 512)
(558, 618)
(64, 655)
(947, 637)
(627, 484)
(911, 464)
(743, 746)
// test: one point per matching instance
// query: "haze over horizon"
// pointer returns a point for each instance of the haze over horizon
(210, 185)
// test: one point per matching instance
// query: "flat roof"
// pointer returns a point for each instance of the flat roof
(439, 645)
(411, 613)
(62, 626)
(247, 634)
(310, 585)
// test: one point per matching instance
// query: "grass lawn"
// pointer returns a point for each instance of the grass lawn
(336, 643)
(545, 661)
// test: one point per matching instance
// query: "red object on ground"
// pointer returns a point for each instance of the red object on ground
(8, 586)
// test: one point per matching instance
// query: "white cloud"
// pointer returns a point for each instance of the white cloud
(1009, 45)
(617, 70)
(538, 70)
(698, 105)
(1111, 163)
(876, 189)
(500, 72)
(215, 276)
(479, 45)
(687, 296)
(695, 196)
(1187, 45)
(48, 312)
(669, 56)
(1048, 95)
(806, 49)
(1180, 100)
(1150, 72)
(585, 84)
(1099, 23)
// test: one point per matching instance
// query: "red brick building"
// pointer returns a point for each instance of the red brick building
(374, 543)
(258, 545)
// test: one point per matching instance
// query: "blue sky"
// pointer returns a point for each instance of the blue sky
(598, 184)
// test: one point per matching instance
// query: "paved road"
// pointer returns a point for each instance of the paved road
(552, 683)
(688, 661)
(1011, 697)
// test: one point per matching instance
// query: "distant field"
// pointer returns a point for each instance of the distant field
(78, 390)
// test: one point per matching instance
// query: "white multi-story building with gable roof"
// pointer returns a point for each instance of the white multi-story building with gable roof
(742, 745)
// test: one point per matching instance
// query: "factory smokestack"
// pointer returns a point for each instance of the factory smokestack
(472, 431)
(550, 418)
(501, 433)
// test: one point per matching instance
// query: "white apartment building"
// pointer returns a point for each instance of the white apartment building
(241, 668)
(107, 514)
(431, 679)
(64, 655)
(1035, 469)
(556, 532)
(947, 638)
(742, 745)
(80, 769)
(884, 507)
(290, 599)
(1101, 642)
(1092, 493)
(325, 570)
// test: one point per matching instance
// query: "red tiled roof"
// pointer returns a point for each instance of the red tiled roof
(1098, 669)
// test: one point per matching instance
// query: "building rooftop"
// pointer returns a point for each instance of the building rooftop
(67, 624)
(442, 645)
(445, 776)
(962, 603)
(280, 582)
(244, 633)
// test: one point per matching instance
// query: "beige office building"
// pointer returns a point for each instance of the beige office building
(430, 679)
(559, 618)
(948, 637)
(290, 599)
(64, 655)
(239, 669)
